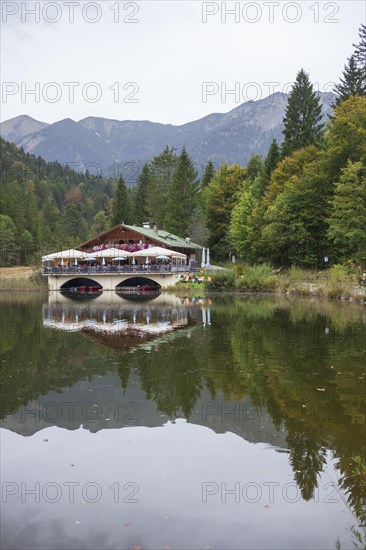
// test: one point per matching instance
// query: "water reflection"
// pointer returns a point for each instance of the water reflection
(289, 374)
(128, 324)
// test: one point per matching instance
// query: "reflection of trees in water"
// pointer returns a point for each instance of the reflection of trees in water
(284, 359)
(353, 484)
(275, 351)
(307, 458)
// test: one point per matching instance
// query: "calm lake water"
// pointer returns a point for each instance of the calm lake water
(175, 423)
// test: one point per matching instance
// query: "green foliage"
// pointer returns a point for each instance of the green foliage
(161, 170)
(345, 137)
(256, 278)
(221, 281)
(121, 206)
(302, 117)
(254, 168)
(347, 223)
(271, 160)
(141, 213)
(339, 273)
(295, 230)
(352, 83)
(264, 214)
(238, 231)
(220, 198)
(42, 200)
(208, 174)
(8, 241)
(181, 200)
(360, 52)
(100, 223)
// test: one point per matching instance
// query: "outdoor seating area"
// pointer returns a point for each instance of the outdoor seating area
(85, 270)
(113, 260)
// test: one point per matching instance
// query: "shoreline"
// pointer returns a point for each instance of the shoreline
(28, 279)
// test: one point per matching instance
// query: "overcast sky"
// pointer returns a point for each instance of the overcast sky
(168, 61)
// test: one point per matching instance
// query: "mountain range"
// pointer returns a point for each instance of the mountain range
(123, 146)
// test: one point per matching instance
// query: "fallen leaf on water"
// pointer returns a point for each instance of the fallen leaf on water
(137, 547)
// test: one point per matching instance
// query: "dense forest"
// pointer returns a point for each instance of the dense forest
(304, 200)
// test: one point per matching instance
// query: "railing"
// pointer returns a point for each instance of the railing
(108, 270)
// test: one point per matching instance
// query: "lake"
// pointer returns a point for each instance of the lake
(146, 422)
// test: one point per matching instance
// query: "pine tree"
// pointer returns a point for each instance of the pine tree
(161, 171)
(208, 174)
(352, 83)
(360, 52)
(254, 167)
(271, 160)
(302, 117)
(141, 213)
(182, 196)
(120, 206)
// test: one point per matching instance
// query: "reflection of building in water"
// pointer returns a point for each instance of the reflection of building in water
(127, 325)
(112, 297)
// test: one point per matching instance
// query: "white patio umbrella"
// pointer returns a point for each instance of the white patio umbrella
(103, 261)
(109, 253)
(70, 254)
(155, 251)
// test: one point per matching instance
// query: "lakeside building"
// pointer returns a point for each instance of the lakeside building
(125, 258)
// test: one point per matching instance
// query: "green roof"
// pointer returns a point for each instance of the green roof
(164, 237)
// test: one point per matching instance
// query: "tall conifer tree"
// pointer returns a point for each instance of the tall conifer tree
(352, 83)
(182, 196)
(208, 174)
(120, 206)
(303, 116)
(360, 51)
(141, 213)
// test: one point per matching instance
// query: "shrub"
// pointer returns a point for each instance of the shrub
(221, 280)
(257, 278)
(338, 274)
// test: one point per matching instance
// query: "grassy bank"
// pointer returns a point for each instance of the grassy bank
(22, 278)
(337, 283)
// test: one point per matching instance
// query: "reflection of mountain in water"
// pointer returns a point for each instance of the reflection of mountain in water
(103, 404)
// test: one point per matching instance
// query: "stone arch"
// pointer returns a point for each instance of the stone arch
(138, 283)
(84, 283)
